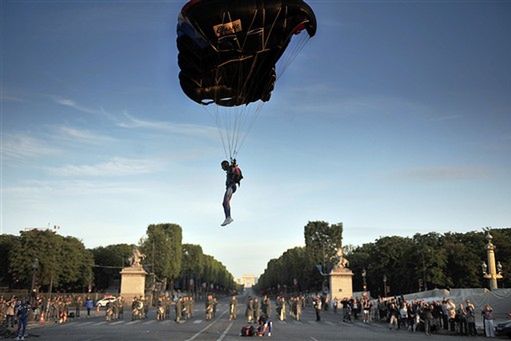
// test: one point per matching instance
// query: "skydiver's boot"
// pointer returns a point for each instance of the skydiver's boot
(227, 221)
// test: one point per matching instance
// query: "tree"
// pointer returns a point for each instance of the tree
(192, 263)
(7, 243)
(63, 261)
(162, 247)
(108, 262)
(322, 242)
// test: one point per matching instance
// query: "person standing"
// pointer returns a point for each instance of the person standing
(209, 307)
(394, 316)
(22, 311)
(9, 312)
(427, 311)
(89, 304)
(317, 307)
(461, 318)
(249, 312)
(233, 308)
(471, 318)
(299, 306)
(179, 309)
(266, 306)
(489, 327)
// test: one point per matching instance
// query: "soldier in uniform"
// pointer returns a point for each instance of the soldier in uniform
(299, 305)
(215, 302)
(179, 309)
(190, 307)
(233, 308)
(266, 306)
(249, 312)
(209, 307)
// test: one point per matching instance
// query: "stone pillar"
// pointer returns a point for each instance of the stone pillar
(494, 274)
(341, 283)
(132, 282)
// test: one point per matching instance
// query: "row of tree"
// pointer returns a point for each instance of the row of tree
(45, 259)
(305, 268)
(391, 265)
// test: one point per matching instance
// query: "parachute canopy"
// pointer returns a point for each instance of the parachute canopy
(228, 49)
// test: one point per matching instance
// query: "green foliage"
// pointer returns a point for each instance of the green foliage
(425, 261)
(192, 260)
(428, 261)
(108, 262)
(322, 242)
(7, 243)
(62, 260)
(162, 248)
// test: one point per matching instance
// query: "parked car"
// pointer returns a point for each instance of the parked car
(504, 329)
(104, 301)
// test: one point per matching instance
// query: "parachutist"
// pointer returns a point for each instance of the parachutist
(233, 178)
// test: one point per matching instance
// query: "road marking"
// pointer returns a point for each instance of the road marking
(116, 323)
(85, 323)
(197, 321)
(207, 327)
(149, 322)
(298, 322)
(225, 331)
(100, 323)
(314, 339)
(330, 323)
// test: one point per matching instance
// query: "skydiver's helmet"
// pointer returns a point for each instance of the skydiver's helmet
(225, 165)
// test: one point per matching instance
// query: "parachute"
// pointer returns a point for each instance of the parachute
(228, 55)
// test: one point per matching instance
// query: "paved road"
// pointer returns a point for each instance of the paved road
(329, 328)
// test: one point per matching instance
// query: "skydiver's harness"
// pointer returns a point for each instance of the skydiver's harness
(234, 174)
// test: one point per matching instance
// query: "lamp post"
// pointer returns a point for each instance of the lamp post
(364, 274)
(384, 285)
(495, 272)
(35, 267)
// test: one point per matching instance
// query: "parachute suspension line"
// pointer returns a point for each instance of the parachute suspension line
(248, 115)
(216, 116)
(255, 115)
(242, 119)
(235, 123)
(298, 43)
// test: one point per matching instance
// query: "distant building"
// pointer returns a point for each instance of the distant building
(247, 280)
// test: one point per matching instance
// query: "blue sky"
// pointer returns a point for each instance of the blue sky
(394, 119)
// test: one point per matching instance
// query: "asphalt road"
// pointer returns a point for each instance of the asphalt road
(197, 328)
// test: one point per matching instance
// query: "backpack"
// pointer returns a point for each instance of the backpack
(237, 176)
(247, 331)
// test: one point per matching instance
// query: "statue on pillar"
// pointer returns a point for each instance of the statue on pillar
(342, 263)
(136, 258)
(341, 278)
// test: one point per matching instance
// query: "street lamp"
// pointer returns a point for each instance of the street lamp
(35, 267)
(384, 285)
(364, 274)
(495, 271)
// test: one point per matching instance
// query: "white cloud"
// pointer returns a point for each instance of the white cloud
(72, 104)
(8, 98)
(195, 130)
(23, 146)
(83, 135)
(115, 167)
